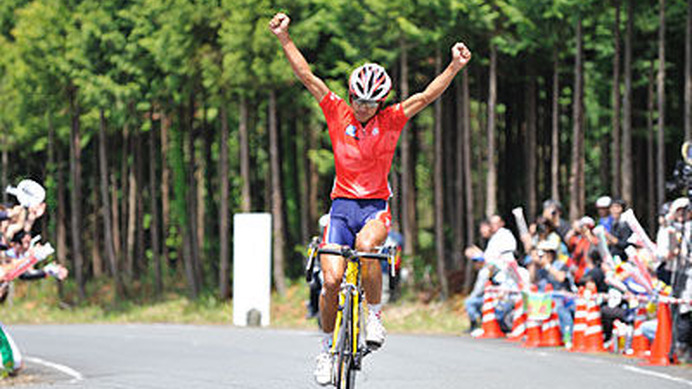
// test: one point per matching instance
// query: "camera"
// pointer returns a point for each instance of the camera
(681, 181)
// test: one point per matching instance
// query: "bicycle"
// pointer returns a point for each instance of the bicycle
(348, 345)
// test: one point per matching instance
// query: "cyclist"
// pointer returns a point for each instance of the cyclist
(364, 135)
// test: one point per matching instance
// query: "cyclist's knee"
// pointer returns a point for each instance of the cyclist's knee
(371, 236)
(331, 285)
(332, 282)
(367, 241)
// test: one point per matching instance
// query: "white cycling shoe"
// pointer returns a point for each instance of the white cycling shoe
(323, 370)
(374, 332)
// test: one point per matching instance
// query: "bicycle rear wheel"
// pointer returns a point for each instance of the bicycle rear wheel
(346, 372)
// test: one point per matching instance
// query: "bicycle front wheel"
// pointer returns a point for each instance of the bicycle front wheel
(346, 372)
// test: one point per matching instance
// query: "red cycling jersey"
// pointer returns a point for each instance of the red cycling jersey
(363, 156)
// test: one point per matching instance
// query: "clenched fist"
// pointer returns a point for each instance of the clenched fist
(461, 55)
(279, 24)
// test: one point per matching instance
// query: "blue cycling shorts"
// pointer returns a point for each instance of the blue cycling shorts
(348, 216)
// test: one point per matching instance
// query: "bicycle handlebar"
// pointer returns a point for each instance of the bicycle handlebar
(348, 253)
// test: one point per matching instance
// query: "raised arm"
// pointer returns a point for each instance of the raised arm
(414, 104)
(279, 27)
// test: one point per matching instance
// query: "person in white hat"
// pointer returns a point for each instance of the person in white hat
(31, 198)
(603, 208)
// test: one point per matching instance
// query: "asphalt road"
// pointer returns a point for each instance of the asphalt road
(176, 356)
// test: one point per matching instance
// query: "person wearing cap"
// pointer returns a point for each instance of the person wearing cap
(552, 210)
(474, 301)
(603, 208)
(582, 245)
(549, 270)
(620, 232)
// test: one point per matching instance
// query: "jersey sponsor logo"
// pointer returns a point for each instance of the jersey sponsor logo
(351, 131)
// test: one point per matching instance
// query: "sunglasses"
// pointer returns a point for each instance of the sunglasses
(366, 103)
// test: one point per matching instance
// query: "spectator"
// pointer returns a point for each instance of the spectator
(603, 208)
(502, 243)
(582, 245)
(474, 301)
(552, 210)
(666, 243)
(620, 231)
(548, 270)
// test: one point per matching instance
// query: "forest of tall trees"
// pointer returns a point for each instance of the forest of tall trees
(151, 122)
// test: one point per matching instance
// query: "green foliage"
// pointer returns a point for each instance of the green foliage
(133, 58)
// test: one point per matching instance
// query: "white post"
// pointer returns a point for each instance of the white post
(252, 242)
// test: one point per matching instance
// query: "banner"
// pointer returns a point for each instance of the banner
(539, 306)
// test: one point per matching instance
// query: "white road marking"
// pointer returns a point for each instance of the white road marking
(76, 376)
(657, 374)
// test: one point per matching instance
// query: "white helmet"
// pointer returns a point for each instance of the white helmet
(370, 82)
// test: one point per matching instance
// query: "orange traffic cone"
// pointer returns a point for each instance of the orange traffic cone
(533, 329)
(640, 344)
(594, 332)
(661, 348)
(491, 328)
(519, 322)
(550, 332)
(578, 341)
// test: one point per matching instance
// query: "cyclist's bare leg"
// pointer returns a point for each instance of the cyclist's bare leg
(333, 267)
(371, 236)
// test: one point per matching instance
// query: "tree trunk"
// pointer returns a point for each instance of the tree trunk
(651, 172)
(491, 186)
(109, 246)
(458, 158)
(555, 131)
(627, 171)
(96, 258)
(313, 173)
(276, 199)
(617, 151)
(245, 194)
(5, 162)
(124, 201)
(468, 175)
(575, 206)
(192, 185)
(688, 73)
(76, 192)
(165, 185)
(115, 222)
(154, 209)
(131, 213)
(532, 156)
(224, 225)
(394, 203)
(55, 172)
(439, 191)
(660, 88)
(61, 228)
(408, 191)
(140, 259)
(202, 182)
(181, 203)
(302, 182)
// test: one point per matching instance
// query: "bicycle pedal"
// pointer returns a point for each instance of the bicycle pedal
(373, 346)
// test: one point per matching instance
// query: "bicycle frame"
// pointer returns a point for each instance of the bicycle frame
(351, 284)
